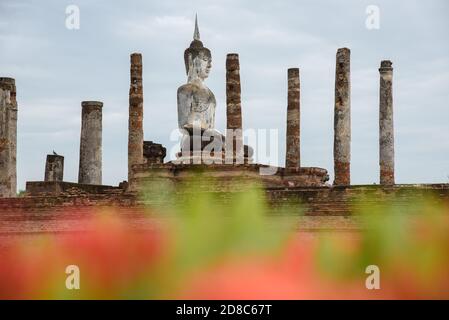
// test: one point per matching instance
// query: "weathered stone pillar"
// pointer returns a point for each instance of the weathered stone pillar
(234, 106)
(135, 124)
(8, 137)
(54, 168)
(386, 131)
(90, 144)
(292, 155)
(342, 118)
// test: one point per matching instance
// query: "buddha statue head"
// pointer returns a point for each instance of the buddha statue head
(197, 58)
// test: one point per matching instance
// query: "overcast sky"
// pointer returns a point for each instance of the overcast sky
(56, 68)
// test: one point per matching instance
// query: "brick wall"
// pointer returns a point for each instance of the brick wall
(325, 208)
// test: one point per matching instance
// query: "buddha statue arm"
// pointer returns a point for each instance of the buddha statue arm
(184, 107)
(213, 105)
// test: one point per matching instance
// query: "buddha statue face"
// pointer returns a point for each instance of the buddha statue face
(199, 67)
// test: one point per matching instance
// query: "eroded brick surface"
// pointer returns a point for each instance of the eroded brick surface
(135, 125)
(292, 156)
(233, 103)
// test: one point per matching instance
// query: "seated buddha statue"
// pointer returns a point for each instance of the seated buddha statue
(196, 102)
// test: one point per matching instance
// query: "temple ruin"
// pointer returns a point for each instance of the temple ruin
(221, 158)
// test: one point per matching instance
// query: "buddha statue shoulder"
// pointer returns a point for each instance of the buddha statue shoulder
(196, 102)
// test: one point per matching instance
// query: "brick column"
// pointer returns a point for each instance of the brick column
(8, 137)
(234, 106)
(54, 168)
(135, 124)
(293, 155)
(90, 144)
(386, 131)
(342, 118)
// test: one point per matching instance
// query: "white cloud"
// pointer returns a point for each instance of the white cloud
(155, 27)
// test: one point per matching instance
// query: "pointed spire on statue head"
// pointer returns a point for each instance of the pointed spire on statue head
(196, 33)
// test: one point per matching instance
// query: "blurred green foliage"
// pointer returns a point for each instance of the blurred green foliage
(203, 227)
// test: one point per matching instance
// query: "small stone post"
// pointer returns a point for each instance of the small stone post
(234, 107)
(293, 156)
(90, 144)
(386, 131)
(8, 137)
(342, 118)
(135, 124)
(54, 168)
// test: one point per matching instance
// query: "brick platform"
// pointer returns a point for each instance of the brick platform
(34, 188)
(324, 208)
(224, 176)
